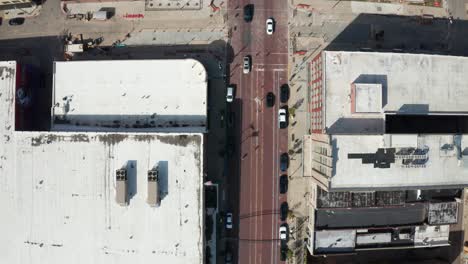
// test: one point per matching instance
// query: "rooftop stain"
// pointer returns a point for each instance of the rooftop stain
(50, 138)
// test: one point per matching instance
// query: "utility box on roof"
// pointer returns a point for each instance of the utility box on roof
(153, 187)
(121, 195)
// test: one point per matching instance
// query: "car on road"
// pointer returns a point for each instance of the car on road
(229, 221)
(270, 99)
(283, 182)
(230, 94)
(284, 211)
(283, 232)
(284, 162)
(283, 117)
(270, 26)
(16, 21)
(283, 252)
(248, 12)
(231, 119)
(230, 146)
(247, 64)
(284, 93)
(228, 256)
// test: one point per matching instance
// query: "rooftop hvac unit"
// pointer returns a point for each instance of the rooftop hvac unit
(153, 187)
(121, 195)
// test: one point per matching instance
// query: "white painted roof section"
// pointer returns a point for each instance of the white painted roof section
(432, 235)
(335, 240)
(443, 167)
(411, 83)
(130, 93)
(376, 238)
(403, 140)
(59, 190)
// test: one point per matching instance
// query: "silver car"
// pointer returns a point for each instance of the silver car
(247, 64)
(230, 94)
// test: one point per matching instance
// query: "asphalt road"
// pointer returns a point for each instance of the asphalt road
(258, 139)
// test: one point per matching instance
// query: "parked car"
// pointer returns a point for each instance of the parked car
(283, 117)
(16, 21)
(284, 211)
(283, 232)
(229, 221)
(248, 12)
(228, 256)
(270, 99)
(270, 26)
(247, 64)
(230, 94)
(231, 119)
(284, 162)
(283, 252)
(284, 93)
(283, 182)
(230, 146)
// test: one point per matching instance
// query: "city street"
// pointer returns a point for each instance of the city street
(255, 177)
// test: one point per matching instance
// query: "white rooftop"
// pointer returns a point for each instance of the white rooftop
(130, 94)
(58, 190)
(443, 167)
(411, 83)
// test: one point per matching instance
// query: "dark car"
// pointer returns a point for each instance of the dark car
(248, 12)
(16, 21)
(284, 211)
(284, 93)
(270, 99)
(284, 162)
(230, 146)
(231, 119)
(228, 256)
(284, 251)
(283, 182)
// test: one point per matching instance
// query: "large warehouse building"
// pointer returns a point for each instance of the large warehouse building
(89, 195)
(387, 149)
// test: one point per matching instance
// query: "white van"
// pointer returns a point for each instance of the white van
(230, 94)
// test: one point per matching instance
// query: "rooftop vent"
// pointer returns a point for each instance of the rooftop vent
(121, 174)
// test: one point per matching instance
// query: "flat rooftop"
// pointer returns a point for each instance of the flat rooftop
(167, 95)
(59, 189)
(443, 163)
(411, 84)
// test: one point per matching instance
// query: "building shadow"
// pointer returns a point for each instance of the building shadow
(393, 33)
(132, 178)
(163, 168)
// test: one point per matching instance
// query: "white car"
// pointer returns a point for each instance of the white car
(270, 26)
(230, 94)
(247, 64)
(283, 232)
(229, 220)
(282, 118)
